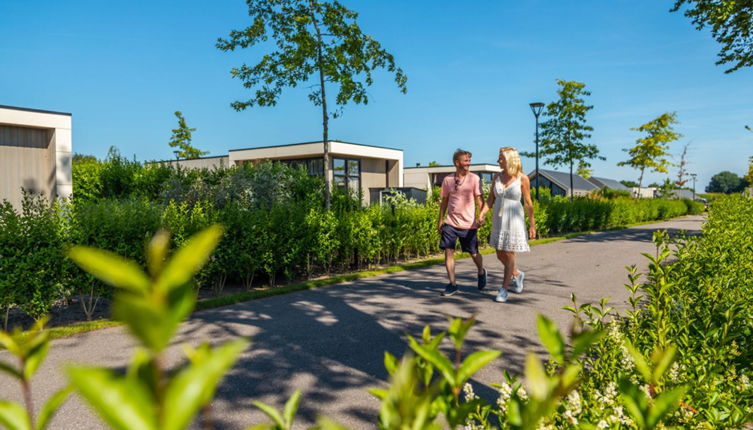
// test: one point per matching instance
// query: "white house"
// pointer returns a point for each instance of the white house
(35, 153)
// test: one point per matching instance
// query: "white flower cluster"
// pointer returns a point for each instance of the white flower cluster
(468, 393)
(674, 372)
(505, 391)
(743, 383)
(607, 398)
(573, 407)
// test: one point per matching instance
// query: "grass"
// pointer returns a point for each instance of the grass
(216, 302)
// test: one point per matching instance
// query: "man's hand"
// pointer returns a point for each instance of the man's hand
(439, 227)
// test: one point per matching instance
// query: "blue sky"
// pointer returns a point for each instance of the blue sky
(123, 68)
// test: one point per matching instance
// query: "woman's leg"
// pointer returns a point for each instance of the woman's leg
(508, 260)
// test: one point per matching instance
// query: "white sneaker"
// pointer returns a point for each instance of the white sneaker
(516, 286)
(501, 296)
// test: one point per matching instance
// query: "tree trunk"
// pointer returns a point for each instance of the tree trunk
(572, 194)
(640, 183)
(325, 116)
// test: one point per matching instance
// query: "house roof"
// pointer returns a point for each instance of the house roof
(485, 167)
(34, 110)
(315, 141)
(563, 180)
(608, 183)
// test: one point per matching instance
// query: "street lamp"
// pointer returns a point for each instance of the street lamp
(177, 157)
(693, 175)
(536, 108)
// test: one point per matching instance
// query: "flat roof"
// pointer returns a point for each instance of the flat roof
(316, 141)
(34, 110)
(450, 165)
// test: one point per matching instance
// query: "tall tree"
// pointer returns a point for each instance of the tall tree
(725, 182)
(182, 137)
(312, 37)
(564, 131)
(652, 151)
(731, 23)
(682, 171)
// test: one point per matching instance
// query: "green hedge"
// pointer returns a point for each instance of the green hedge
(276, 227)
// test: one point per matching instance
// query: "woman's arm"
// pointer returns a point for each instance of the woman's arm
(489, 201)
(525, 188)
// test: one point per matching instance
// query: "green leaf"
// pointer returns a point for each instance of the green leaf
(437, 359)
(271, 413)
(11, 371)
(379, 393)
(110, 268)
(640, 361)
(474, 362)
(123, 403)
(7, 341)
(13, 416)
(662, 362)
(187, 261)
(194, 386)
(35, 358)
(664, 405)
(156, 252)
(634, 401)
(390, 362)
(144, 320)
(570, 376)
(551, 338)
(291, 407)
(326, 423)
(51, 406)
(536, 377)
(584, 340)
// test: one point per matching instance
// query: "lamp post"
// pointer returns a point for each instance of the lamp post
(176, 152)
(693, 175)
(536, 109)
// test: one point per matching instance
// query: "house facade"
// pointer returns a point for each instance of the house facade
(357, 167)
(35, 153)
(558, 183)
(427, 177)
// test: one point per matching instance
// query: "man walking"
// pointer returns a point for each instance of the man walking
(461, 197)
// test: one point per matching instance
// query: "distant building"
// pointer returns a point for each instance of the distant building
(426, 177)
(35, 153)
(558, 183)
(608, 183)
(354, 166)
(644, 192)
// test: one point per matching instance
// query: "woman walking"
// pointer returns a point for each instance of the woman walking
(508, 234)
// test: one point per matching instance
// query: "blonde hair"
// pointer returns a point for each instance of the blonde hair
(512, 159)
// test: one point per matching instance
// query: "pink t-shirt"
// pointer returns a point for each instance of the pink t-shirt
(461, 202)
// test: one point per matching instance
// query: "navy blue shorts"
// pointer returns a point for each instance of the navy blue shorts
(468, 239)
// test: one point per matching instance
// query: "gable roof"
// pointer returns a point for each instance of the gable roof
(608, 183)
(563, 180)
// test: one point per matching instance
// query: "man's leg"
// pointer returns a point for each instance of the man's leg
(449, 264)
(479, 260)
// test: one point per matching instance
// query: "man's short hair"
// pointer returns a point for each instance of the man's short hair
(459, 153)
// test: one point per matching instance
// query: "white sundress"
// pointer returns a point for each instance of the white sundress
(508, 221)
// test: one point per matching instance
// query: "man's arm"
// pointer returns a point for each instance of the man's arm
(442, 210)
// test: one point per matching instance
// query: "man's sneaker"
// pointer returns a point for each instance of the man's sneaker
(516, 286)
(450, 289)
(482, 280)
(501, 296)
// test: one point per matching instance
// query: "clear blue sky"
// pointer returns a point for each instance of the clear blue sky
(123, 68)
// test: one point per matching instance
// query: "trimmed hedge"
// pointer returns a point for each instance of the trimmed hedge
(275, 223)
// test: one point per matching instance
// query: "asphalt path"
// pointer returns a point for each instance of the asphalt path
(330, 342)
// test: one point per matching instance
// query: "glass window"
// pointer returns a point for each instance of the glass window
(354, 168)
(338, 166)
(340, 181)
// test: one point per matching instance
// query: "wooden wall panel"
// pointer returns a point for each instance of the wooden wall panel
(27, 160)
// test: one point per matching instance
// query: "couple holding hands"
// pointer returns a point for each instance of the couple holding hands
(462, 195)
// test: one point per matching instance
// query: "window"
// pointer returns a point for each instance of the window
(347, 173)
(314, 166)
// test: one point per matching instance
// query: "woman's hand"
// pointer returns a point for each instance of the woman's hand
(532, 232)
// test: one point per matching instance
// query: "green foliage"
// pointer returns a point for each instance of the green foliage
(152, 306)
(181, 138)
(725, 182)
(731, 25)
(564, 130)
(87, 178)
(30, 349)
(652, 151)
(32, 269)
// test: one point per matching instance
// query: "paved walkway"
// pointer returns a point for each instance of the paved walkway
(330, 342)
